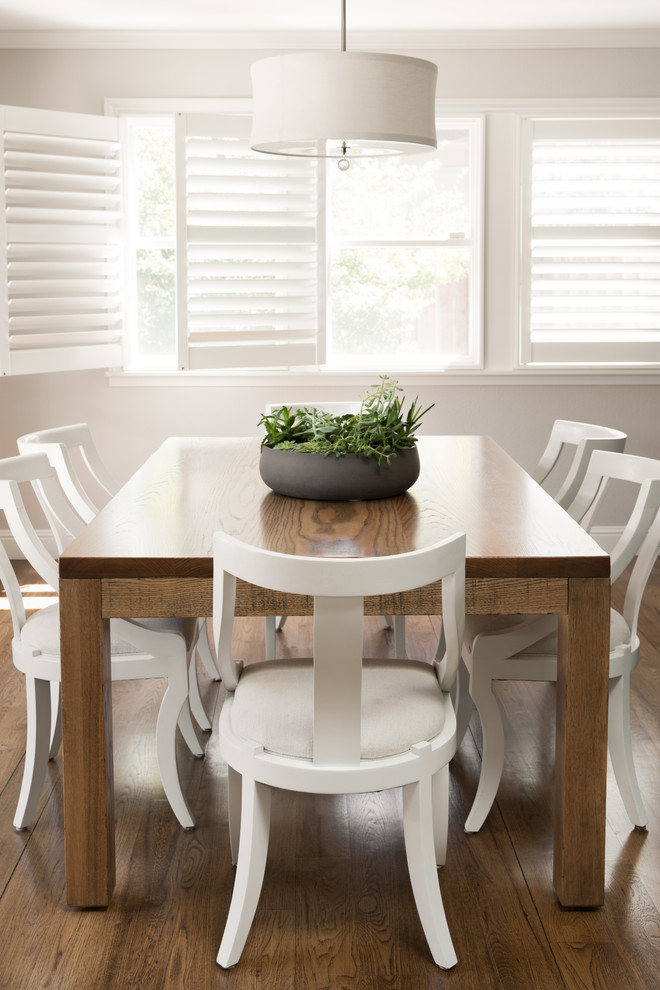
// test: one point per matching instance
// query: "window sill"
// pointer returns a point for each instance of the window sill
(301, 378)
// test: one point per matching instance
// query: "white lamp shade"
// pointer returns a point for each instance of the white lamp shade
(310, 104)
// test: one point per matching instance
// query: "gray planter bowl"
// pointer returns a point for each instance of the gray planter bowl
(328, 479)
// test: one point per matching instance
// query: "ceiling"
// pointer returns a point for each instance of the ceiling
(325, 15)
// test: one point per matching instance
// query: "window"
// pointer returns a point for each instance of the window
(279, 262)
(403, 255)
(591, 242)
(61, 304)
(150, 220)
(247, 249)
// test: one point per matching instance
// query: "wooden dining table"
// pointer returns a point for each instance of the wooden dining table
(148, 553)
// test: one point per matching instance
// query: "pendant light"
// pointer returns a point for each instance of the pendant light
(343, 104)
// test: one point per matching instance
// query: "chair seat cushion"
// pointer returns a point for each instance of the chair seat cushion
(402, 704)
(42, 632)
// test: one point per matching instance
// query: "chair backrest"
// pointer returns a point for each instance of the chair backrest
(646, 558)
(32, 469)
(338, 586)
(641, 534)
(81, 472)
(585, 438)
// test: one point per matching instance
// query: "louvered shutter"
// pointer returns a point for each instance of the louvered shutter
(591, 242)
(248, 245)
(61, 298)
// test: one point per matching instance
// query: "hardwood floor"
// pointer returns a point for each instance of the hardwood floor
(336, 909)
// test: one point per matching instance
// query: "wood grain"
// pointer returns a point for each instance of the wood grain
(87, 747)
(194, 596)
(580, 824)
(162, 522)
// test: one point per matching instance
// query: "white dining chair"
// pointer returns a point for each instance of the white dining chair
(525, 648)
(88, 484)
(576, 441)
(337, 723)
(140, 648)
(275, 623)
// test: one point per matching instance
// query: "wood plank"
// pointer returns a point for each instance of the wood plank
(87, 745)
(193, 596)
(579, 809)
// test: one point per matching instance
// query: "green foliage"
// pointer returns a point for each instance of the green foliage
(379, 429)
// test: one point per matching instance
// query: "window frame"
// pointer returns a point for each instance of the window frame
(579, 354)
(502, 211)
(475, 123)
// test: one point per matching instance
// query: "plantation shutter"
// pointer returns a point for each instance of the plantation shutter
(591, 242)
(61, 299)
(247, 248)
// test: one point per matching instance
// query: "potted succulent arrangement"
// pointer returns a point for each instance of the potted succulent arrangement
(370, 453)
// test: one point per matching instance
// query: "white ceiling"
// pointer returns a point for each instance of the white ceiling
(324, 15)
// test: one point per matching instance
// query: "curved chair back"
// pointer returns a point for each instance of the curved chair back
(585, 438)
(73, 454)
(642, 472)
(338, 586)
(64, 523)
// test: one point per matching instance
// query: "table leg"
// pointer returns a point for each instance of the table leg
(87, 745)
(581, 745)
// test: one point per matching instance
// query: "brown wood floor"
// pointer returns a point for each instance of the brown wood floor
(336, 909)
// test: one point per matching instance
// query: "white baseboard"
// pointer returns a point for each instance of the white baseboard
(12, 549)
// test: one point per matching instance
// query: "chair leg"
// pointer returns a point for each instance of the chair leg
(234, 787)
(386, 622)
(269, 629)
(174, 700)
(196, 705)
(492, 758)
(187, 729)
(36, 750)
(55, 719)
(205, 653)
(400, 637)
(255, 828)
(442, 646)
(420, 852)
(621, 749)
(279, 622)
(440, 799)
(462, 701)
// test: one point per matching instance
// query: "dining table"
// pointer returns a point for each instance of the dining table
(149, 553)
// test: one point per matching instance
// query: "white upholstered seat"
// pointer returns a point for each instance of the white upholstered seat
(525, 648)
(140, 648)
(338, 723)
(88, 484)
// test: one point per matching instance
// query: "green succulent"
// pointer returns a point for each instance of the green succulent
(379, 429)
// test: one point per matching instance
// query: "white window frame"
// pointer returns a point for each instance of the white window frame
(476, 120)
(474, 242)
(638, 350)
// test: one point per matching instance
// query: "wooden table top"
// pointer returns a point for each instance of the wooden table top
(161, 522)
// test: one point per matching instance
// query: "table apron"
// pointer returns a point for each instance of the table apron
(140, 597)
